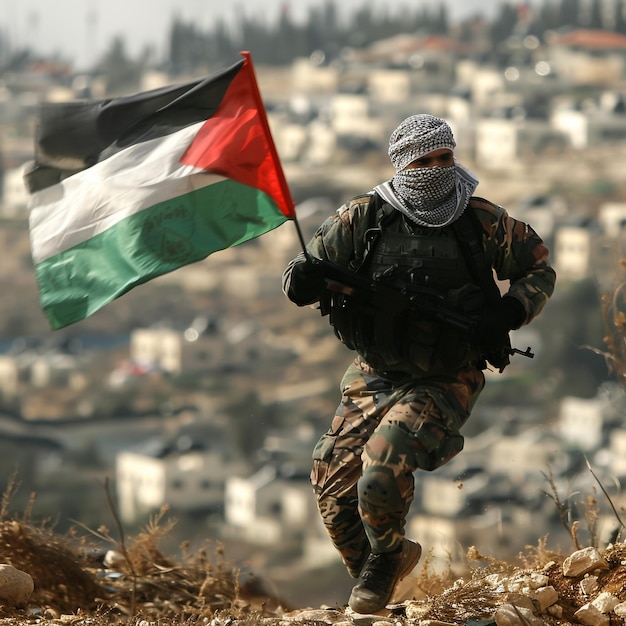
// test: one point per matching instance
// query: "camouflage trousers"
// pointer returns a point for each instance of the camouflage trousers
(382, 433)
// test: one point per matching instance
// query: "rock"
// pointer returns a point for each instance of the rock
(583, 561)
(620, 610)
(417, 611)
(589, 585)
(510, 615)
(521, 601)
(525, 581)
(544, 597)
(515, 585)
(495, 580)
(589, 614)
(113, 559)
(16, 586)
(368, 619)
(327, 616)
(605, 602)
(535, 580)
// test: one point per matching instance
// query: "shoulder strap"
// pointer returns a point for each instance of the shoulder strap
(469, 233)
(380, 214)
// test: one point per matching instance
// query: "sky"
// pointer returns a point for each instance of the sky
(82, 30)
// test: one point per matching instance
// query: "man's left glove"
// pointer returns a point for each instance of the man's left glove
(497, 321)
(307, 281)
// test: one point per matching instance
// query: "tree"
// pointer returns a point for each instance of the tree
(595, 15)
(440, 20)
(548, 17)
(504, 24)
(569, 13)
(120, 72)
(619, 18)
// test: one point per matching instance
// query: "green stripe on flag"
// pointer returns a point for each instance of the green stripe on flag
(185, 229)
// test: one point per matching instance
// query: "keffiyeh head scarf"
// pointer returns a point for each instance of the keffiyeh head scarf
(429, 196)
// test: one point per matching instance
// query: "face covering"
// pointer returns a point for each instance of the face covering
(430, 196)
(427, 189)
(427, 212)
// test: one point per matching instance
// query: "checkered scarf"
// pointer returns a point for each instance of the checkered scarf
(429, 196)
(417, 136)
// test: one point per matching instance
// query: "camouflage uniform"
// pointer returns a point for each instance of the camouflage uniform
(389, 424)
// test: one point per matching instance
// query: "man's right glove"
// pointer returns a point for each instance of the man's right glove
(494, 326)
(307, 281)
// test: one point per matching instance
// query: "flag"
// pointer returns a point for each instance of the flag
(128, 189)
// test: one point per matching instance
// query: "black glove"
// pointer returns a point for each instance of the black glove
(307, 281)
(497, 321)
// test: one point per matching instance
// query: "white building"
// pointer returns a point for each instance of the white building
(350, 116)
(502, 143)
(587, 129)
(572, 252)
(442, 496)
(15, 196)
(267, 508)
(612, 218)
(9, 376)
(185, 475)
(158, 348)
(581, 421)
(617, 449)
(525, 454)
(199, 347)
(308, 77)
(588, 57)
(486, 84)
(385, 85)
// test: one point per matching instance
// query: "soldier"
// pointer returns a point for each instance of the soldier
(423, 333)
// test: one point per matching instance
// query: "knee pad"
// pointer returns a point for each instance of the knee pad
(378, 491)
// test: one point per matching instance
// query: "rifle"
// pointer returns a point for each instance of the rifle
(425, 302)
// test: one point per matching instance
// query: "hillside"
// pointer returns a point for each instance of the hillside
(134, 583)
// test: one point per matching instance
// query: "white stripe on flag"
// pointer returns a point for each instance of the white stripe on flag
(93, 200)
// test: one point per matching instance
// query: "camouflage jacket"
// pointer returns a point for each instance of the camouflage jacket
(513, 249)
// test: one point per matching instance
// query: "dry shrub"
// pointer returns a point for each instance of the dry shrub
(148, 583)
(539, 556)
(143, 583)
(463, 600)
(428, 581)
(614, 580)
(59, 573)
(614, 313)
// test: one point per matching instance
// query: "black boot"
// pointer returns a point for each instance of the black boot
(382, 572)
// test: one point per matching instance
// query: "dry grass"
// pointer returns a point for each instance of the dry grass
(71, 579)
(73, 586)
(136, 584)
(614, 312)
(144, 587)
(143, 584)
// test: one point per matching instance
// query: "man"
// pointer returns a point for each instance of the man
(431, 322)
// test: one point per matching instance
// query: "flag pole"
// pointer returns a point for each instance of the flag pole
(301, 238)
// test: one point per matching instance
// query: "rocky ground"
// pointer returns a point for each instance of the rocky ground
(47, 579)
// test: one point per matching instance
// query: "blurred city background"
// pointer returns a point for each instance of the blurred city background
(206, 389)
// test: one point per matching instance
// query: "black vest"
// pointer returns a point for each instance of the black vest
(443, 266)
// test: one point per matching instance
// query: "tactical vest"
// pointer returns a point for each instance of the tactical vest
(433, 265)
